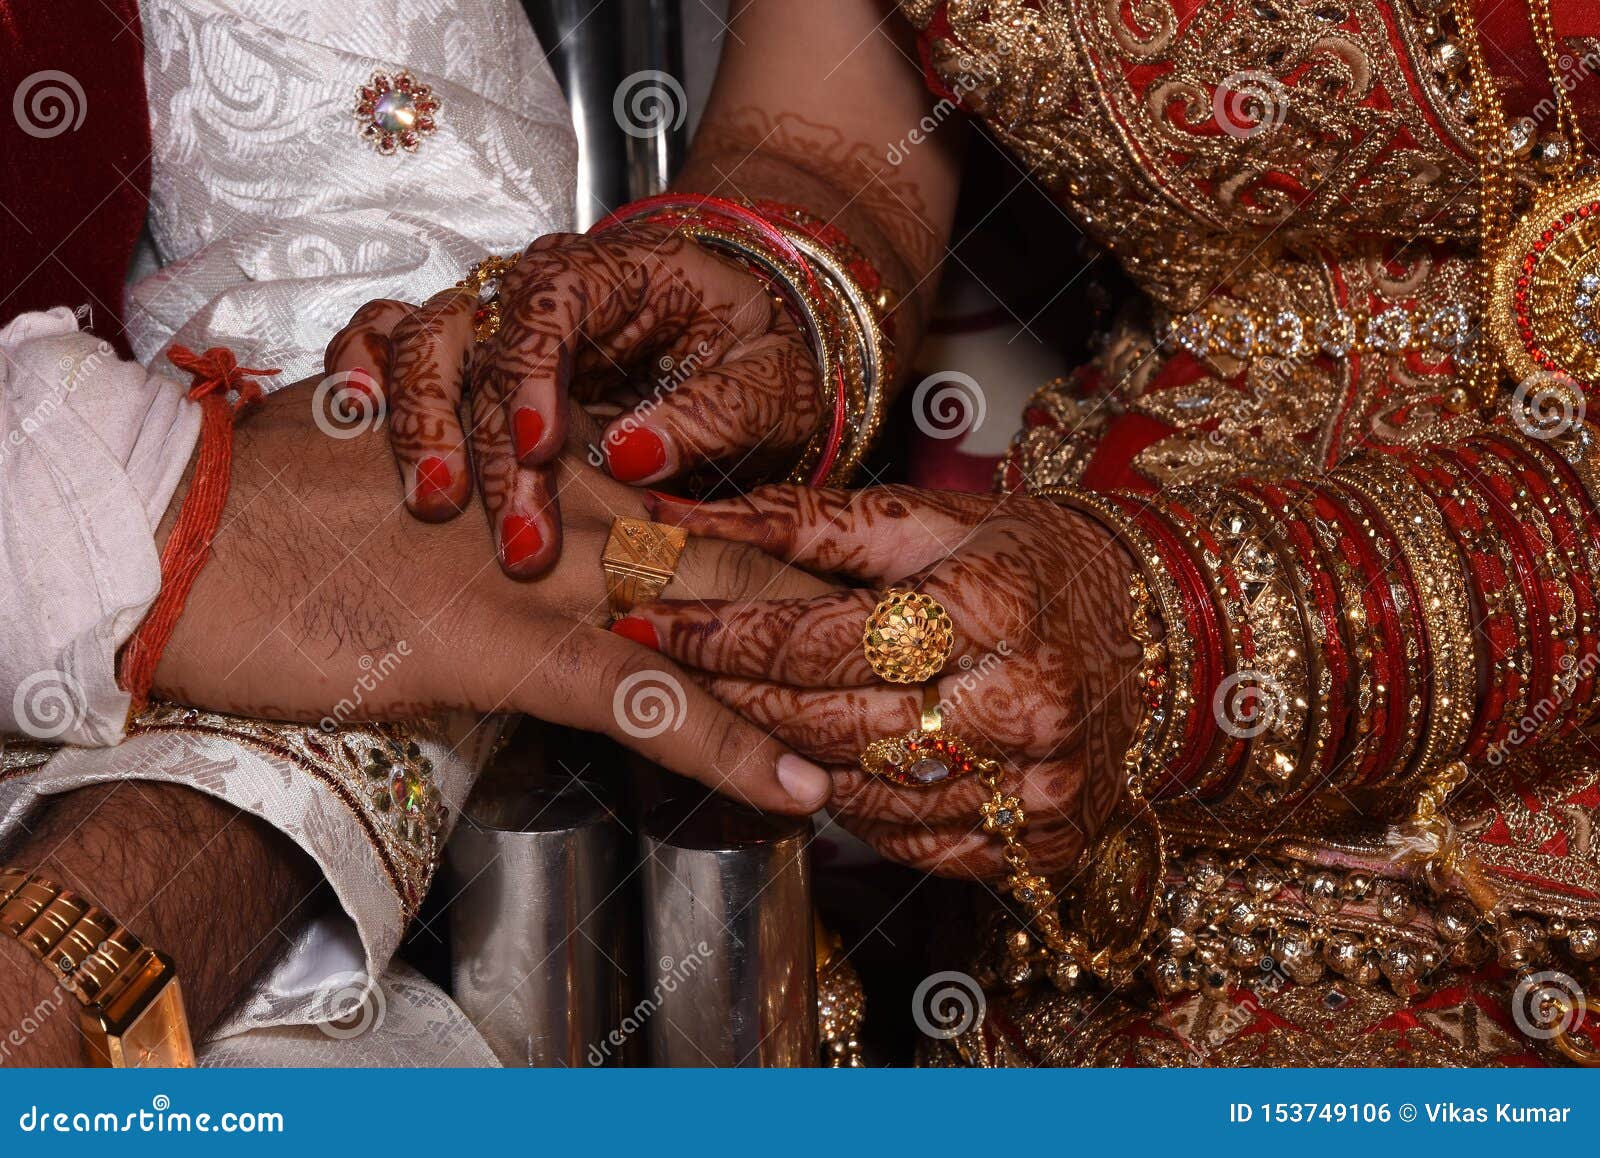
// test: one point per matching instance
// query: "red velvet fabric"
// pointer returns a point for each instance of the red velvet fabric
(74, 155)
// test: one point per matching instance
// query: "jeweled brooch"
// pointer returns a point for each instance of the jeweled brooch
(396, 112)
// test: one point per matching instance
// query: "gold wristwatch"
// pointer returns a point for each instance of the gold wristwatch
(131, 1009)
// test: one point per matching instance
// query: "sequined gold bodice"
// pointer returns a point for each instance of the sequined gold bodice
(1303, 157)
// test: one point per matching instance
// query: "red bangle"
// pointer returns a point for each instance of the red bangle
(1587, 516)
(1575, 685)
(212, 375)
(1228, 764)
(1487, 575)
(1201, 728)
(830, 236)
(1524, 556)
(1335, 504)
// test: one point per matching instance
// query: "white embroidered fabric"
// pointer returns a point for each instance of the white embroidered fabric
(92, 449)
(272, 221)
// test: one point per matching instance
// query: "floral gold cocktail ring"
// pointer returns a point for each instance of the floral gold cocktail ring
(908, 637)
(484, 280)
(926, 756)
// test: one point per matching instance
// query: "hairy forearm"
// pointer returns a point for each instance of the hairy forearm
(215, 888)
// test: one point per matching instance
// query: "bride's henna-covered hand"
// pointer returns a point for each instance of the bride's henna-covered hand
(690, 354)
(1041, 675)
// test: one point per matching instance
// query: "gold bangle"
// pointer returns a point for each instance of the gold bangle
(1275, 764)
(639, 560)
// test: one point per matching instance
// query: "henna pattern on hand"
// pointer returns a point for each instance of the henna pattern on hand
(1040, 586)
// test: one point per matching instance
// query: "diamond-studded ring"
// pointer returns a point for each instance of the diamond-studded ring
(908, 637)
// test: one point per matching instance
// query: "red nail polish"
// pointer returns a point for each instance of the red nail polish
(527, 428)
(639, 630)
(635, 454)
(680, 500)
(519, 539)
(433, 478)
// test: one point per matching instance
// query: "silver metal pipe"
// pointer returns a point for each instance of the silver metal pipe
(539, 926)
(581, 40)
(728, 930)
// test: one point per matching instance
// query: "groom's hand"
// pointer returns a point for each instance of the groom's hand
(321, 589)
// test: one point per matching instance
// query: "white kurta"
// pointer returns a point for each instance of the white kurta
(271, 221)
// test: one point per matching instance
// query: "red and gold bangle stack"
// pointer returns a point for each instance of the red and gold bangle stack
(1417, 606)
(819, 285)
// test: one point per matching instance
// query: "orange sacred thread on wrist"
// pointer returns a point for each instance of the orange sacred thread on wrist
(212, 375)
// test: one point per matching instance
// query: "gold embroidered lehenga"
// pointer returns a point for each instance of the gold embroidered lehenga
(1295, 185)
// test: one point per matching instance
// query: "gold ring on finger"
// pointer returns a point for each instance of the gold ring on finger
(484, 279)
(926, 756)
(908, 637)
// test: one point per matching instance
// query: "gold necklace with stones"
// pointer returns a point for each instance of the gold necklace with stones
(1541, 272)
